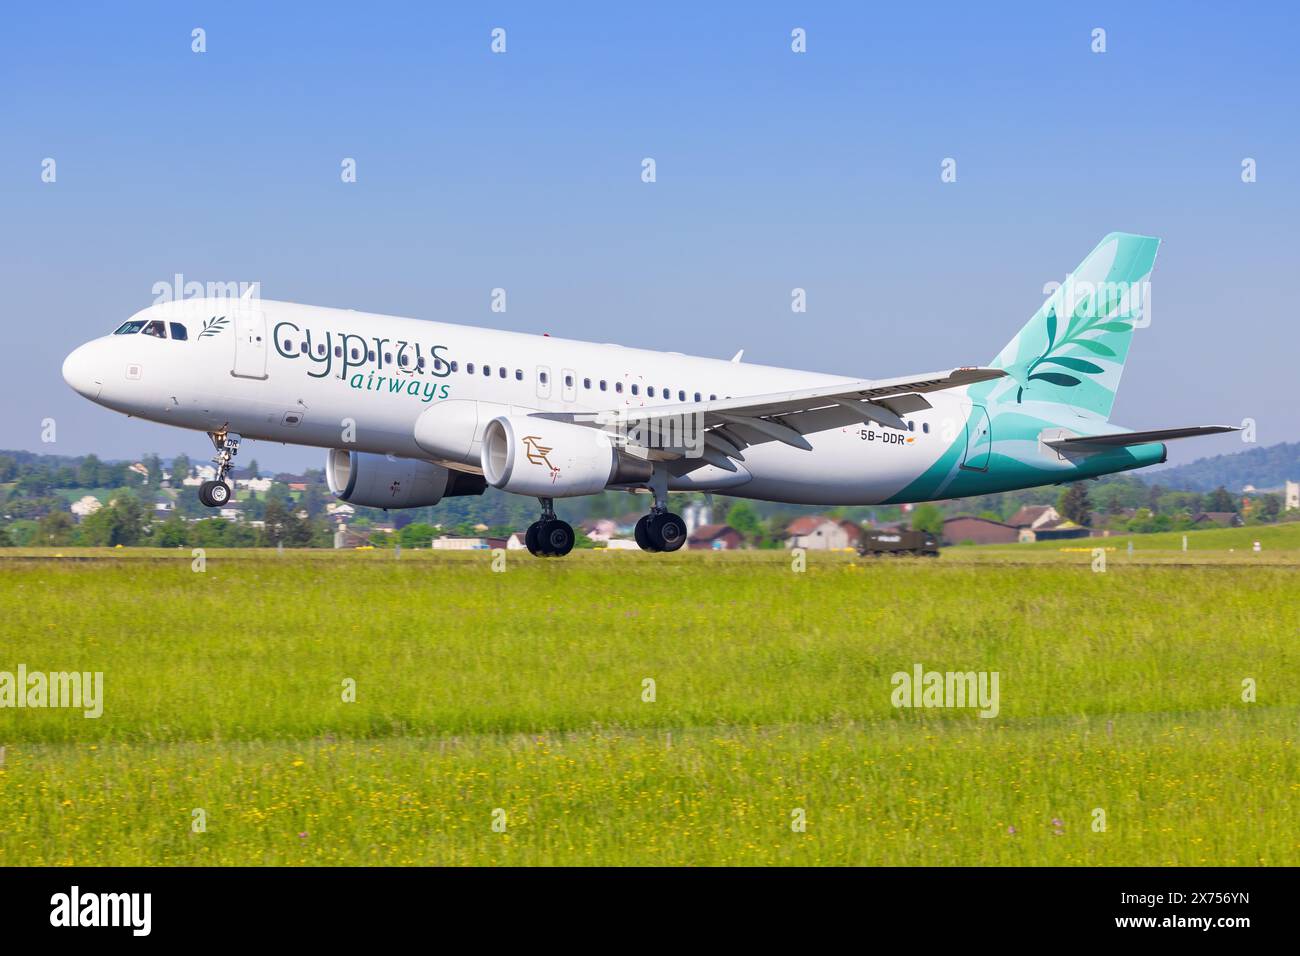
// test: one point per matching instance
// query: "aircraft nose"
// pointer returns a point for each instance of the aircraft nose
(80, 371)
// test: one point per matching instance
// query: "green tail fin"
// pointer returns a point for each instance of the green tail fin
(1072, 351)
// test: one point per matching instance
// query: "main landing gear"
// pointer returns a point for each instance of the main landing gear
(549, 537)
(660, 530)
(215, 494)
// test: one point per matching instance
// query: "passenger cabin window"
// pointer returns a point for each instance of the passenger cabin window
(541, 377)
(586, 383)
(156, 329)
(455, 366)
(568, 381)
(129, 328)
(519, 375)
(338, 351)
(634, 388)
(501, 372)
(469, 368)
(487, 371)
(618, 387)
(925, 427)
(178, 332)
(650, 390)
(697, 396)
(681, 396)
(602, 385)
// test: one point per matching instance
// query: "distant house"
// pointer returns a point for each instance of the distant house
(1291, 496)
(516, 542)
(714, 537)
(232, 513)
(85, 506)
(343, 538)
(1057, 531)
(340, 509)
(977, 530)
(450, 543)
(1222, 519)
(163, 505)
(139, 469)
(253, 484)
(1034, 517)
(819, 533)
(198, 475)
(599, 529)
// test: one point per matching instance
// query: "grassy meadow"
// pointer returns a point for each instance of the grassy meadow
(483, 697)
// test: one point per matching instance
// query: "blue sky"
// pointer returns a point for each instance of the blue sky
(775, 171)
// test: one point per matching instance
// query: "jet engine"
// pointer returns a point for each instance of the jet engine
(384, 481)
(548, 459)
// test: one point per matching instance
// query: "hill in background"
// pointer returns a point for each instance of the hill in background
(1265, 468)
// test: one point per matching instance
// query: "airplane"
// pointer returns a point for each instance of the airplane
(414, 411)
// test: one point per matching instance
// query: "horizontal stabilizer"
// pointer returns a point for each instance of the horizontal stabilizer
(1124, 439)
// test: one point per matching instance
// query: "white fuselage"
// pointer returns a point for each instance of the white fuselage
(336, 378)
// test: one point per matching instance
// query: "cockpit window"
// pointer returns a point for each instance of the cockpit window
(129, 328)
(155, 328)
(178, 332)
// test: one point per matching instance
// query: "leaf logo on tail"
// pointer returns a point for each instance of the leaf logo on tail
(1085, 320)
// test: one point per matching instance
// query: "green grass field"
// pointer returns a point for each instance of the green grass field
(522, 692)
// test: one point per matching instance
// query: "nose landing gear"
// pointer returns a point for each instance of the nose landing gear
(549, 537)
(214, 494)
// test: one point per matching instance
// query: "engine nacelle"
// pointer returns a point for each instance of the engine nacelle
(547, 459)
(382, 481)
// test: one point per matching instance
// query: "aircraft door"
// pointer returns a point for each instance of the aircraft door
(250, 344)
(979, 440)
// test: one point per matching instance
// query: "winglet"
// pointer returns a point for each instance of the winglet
(736, 358)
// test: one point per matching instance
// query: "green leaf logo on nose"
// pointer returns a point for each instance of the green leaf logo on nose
(213, 325)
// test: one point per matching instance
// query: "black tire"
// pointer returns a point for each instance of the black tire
(668, 532)
(533, 539)
(218, 494)
(205, 499)
(556, 538)
(642, 533)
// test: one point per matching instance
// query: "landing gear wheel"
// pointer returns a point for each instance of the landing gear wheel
(642, 533)
(668, 531)
(219, 493)
(532, 538)
(556, 538)
(214, 494)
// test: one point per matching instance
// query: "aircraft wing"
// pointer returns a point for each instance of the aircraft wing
(729, 425)
(1124, 439)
